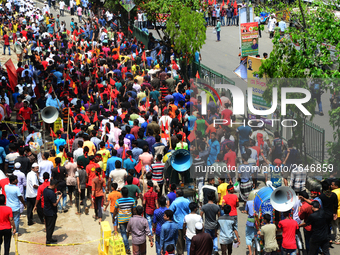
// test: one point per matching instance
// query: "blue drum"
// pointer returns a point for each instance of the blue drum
(262, 205)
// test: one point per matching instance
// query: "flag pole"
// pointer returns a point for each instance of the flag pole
(143, 178)
(169, 128)
(68, 125)
(11, 131)
(110, 96)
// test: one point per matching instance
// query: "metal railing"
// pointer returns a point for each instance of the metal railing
(314, 141)
(140, 35)
(314, 138)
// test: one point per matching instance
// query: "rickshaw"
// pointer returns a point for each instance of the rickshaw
(269, 200)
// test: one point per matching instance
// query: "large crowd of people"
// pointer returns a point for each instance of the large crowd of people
(123, 110)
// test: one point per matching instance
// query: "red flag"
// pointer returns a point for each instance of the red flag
(132, 58)
(37, 92)
(68, 32)
(76, 90)
(143, 56)
(130, 30)
(228, 3)
(86, 118)
(166, 126)
(174, 65)
(112, 82)
(214, 2)
(64, 153)
(123, 75)
(50, 90)
(95, 118)
(235, 4)
(138, 168)
(12, 74)
(223, 3)
(136, 52)
(198, 75)
(124, 153)
(52, 133)
(24, 126)
(160, 52)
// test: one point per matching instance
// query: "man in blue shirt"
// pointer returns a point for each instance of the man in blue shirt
(169, 232)
(129, 162)
(102, 21)
(59, 141)
(13, 199)
(214, 149)
(110, 165)
(136, 151)
(53, 101)
(158, 221)
(180, 208)
(243, 133)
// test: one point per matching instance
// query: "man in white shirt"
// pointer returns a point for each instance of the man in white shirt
(118, 175)
(32, 191)
(61, 7)
(78, 152)
(271, 25)
(45, 166)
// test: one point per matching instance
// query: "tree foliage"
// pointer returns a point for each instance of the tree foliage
(186, 30)
(315, 31)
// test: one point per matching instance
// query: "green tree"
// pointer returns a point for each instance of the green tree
(308, 51)
(187, 32)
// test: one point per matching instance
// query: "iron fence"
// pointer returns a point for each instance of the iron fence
(314, 141)
(140, 35)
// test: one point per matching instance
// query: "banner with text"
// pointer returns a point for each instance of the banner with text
(249, 39)
(258, 86)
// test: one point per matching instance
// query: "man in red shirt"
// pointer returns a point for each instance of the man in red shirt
(26, 113)
(3, 183)
(6, 39)
(226, 114)
(150, 202)
(91, 173)
(6, 224)
(288, 227)
(230, 160)
(231, 199)
(39, 202)
(304, 212)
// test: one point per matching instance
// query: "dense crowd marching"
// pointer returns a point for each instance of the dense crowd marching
(123, 110)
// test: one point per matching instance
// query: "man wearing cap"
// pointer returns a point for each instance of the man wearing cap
(32, 191)
(21, 181)
(201, 243)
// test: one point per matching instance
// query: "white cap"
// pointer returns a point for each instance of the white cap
(199, 225)
(35, 165)
(17, 165)
(111, 118)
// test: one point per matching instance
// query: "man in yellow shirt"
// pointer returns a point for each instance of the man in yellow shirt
(222, 189)
(105, 154)
(90, 145)
(336, 223)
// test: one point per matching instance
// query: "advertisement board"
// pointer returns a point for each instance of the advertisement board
(249, 39)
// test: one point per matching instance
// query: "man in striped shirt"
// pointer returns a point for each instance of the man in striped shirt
(157, 173)
(124, 207)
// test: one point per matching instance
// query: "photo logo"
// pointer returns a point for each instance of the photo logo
(239, 100)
